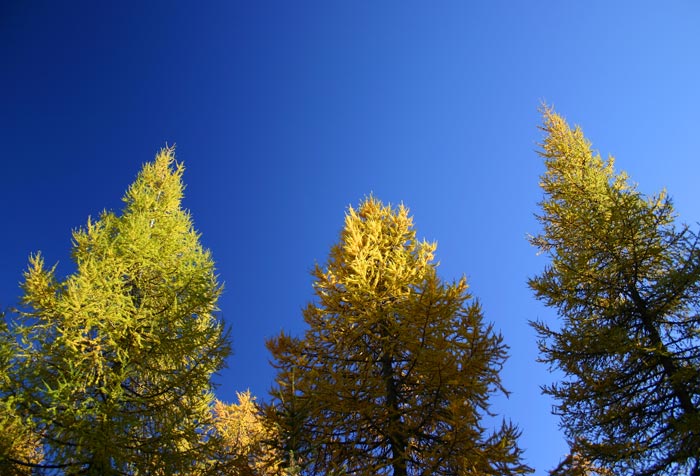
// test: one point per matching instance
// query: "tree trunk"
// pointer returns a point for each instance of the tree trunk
(396, 434)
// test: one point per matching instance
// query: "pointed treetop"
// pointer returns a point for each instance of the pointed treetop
(158, 186)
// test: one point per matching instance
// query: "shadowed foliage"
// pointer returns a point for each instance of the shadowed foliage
(626, 283)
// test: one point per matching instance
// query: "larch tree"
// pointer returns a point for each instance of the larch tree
(247, 440)
(394, 374)
(17, 443)
(116, 360)
(625, 280)
(575, 464)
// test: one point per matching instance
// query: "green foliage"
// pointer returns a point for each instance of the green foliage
(115, 360)
(625, 282)
(394, 373)
(17, 443)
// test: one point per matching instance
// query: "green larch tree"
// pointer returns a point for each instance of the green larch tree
(625, 280)
(116, 359)
(394, 374)
(17, 443)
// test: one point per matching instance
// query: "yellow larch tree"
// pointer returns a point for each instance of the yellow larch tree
(246, 438)
(394, 373)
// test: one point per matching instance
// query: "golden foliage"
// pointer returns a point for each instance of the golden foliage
(245, 437)
(394, 373)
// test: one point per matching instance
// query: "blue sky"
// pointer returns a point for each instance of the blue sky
(285, 113)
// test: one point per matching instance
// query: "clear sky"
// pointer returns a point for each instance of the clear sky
(285, 113)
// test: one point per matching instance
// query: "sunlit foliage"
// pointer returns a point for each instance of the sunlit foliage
(17, 443)
(115, 360)
(247, 440)
(394, 373)
(626, 283)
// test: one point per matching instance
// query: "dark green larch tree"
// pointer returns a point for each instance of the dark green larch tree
(115, 362)
(625, 280)
(394, 374)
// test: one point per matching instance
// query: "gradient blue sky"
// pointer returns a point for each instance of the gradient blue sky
(286, 112)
